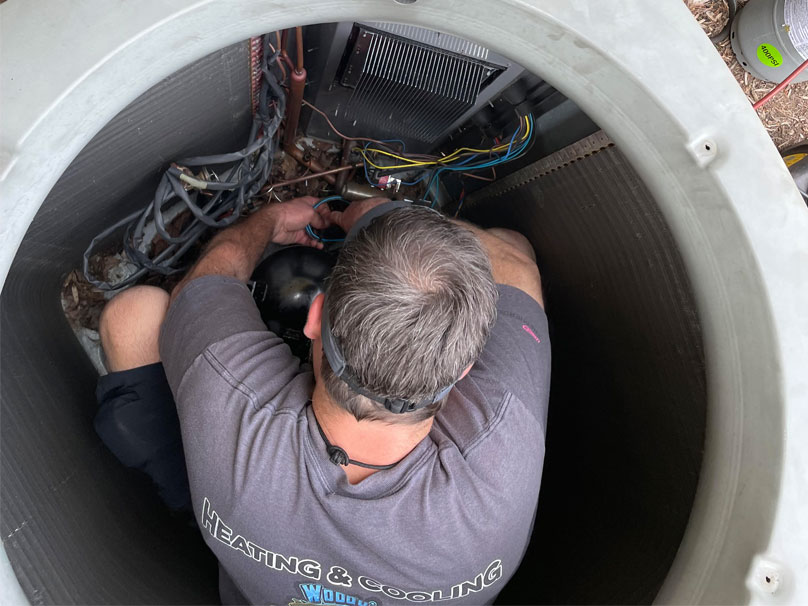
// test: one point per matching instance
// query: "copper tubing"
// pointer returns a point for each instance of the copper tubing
(324, 174)
(334, 128)
(294, 102)
(299, 57)
(283, 59)
(311, 164)
(297, 81)
(342, 178)
(282, 40)
(284, 55)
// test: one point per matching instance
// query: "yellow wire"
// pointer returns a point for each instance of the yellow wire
(501, 147)
(443, 160)
(397, 157)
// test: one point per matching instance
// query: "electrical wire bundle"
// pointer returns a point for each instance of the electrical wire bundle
(214, 202)
(384, 161)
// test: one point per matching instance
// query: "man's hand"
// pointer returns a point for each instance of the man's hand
(289, 220)
(235, 251)
(346, 219)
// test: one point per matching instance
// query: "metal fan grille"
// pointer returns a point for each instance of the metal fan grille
(421, 90)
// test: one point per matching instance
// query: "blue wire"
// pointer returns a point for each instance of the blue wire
(416, 182)
(511, 154)
(434, 181)
(513, 137)
(310, 231)
(319, 238)
(429, 187)
(365, 164)
(367, 176)
(469, 159)
(328, 199)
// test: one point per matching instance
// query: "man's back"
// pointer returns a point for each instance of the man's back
(449, 522)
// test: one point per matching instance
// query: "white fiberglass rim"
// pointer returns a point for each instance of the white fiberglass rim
(647, 75)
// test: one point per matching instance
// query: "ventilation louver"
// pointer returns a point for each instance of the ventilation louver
(421, 86)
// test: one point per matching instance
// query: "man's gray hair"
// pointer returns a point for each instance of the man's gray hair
(411, 301)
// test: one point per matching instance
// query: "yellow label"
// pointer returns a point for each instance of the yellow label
(792, 159)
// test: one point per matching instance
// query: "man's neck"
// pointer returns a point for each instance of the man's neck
(373, 442)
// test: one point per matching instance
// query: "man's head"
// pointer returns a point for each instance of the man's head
(411, 302)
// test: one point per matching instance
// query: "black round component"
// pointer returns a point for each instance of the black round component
(286, 283)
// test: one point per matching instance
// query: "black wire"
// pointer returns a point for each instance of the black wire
(732, 5)
(249, 170)
(338, 456)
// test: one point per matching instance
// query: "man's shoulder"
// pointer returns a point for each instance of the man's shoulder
(256, 365)
(516, 359)
(501, 404)
(473, 417)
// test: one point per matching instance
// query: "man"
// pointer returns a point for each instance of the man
(362, 481)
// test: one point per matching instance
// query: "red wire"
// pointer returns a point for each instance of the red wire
(460, 203)
(780, 86)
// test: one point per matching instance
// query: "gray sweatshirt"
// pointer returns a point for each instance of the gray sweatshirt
(448, 524)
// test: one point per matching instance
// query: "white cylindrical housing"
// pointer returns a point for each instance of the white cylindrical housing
(646, 73)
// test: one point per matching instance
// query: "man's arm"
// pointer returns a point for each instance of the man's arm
(512, 259)
(235, 251)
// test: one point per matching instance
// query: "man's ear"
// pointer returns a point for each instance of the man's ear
(312, 329)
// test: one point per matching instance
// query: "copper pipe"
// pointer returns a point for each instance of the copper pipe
(341, 170)
(294, 102)
(285, 60)
(342, 178)
(281, 59)
(311, 164)
(299, 58)
(282, 48)
(334, 128)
